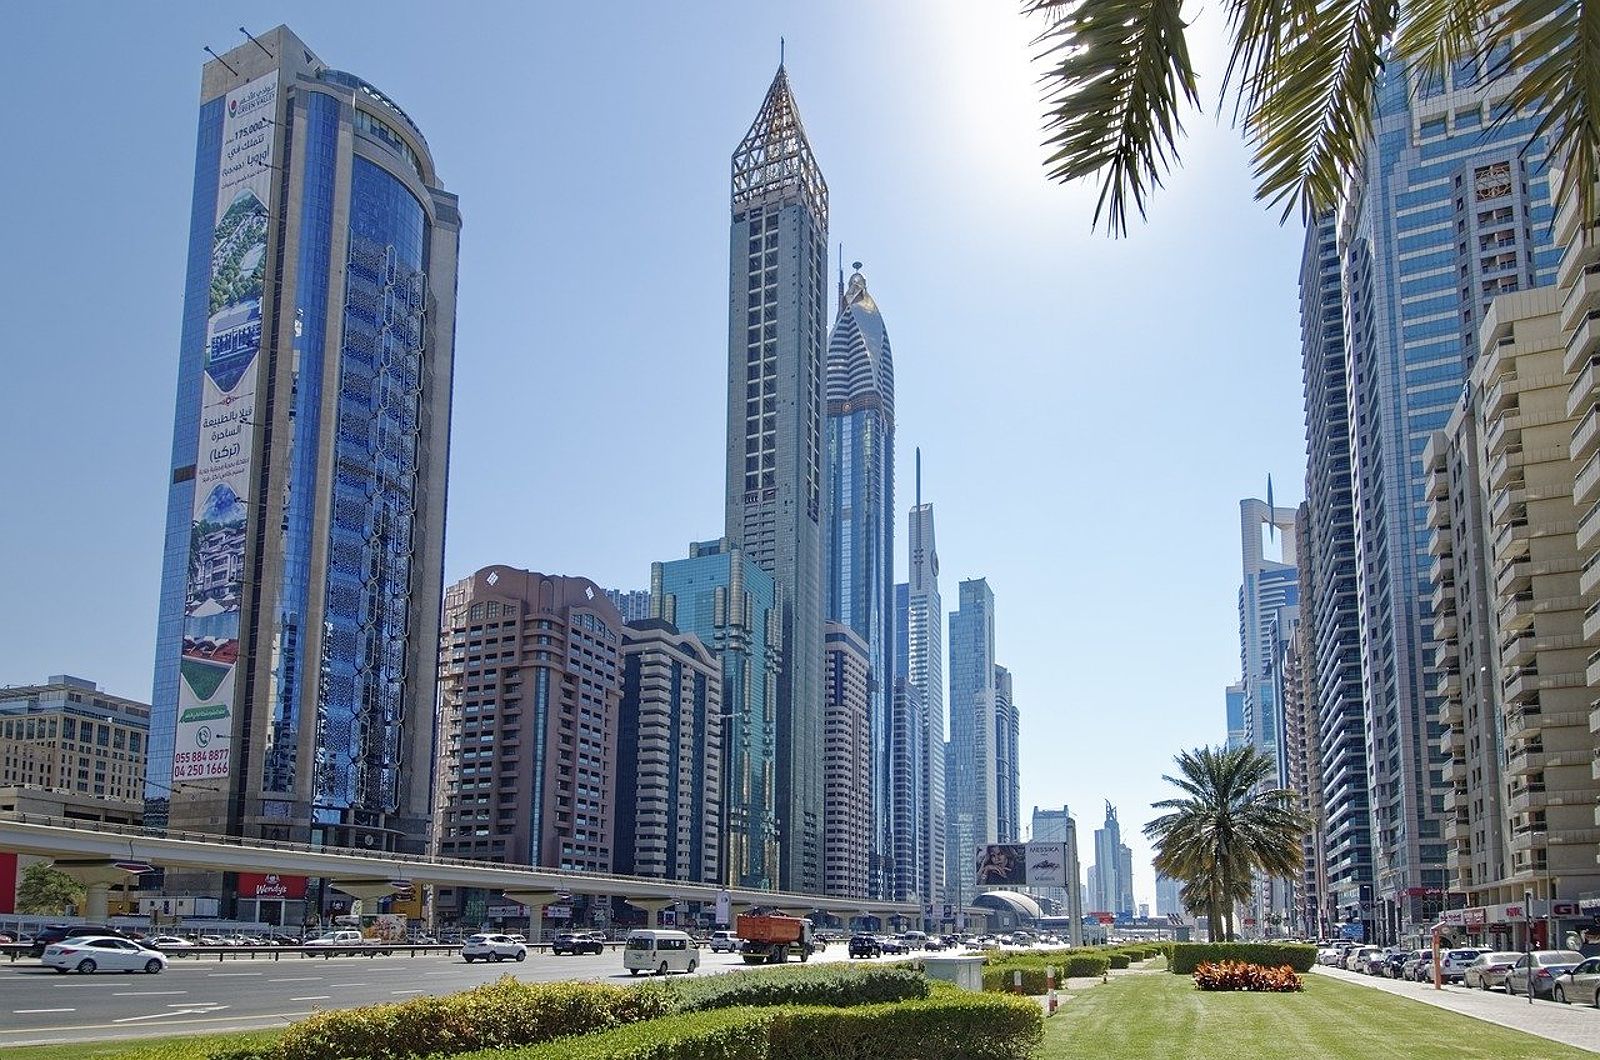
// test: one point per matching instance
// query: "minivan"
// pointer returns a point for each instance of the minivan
(660, 952)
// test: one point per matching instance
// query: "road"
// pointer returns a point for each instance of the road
(41, 1006)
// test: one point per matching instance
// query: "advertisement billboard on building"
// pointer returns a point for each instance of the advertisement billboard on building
(1047, 865)
(1002, 865)
(271, 885)
(202, 749)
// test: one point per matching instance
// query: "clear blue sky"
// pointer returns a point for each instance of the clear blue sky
(1090, 411)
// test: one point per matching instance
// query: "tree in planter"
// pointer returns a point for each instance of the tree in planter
(46, 891)
(1228, 826)
(1301, 79)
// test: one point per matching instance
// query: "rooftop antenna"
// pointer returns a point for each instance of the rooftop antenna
(207, 49)
(841, 276)
(780, 53)
(919, 476)
(1272, 516)
(257, 43)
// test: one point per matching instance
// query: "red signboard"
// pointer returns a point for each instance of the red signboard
(271, 885)
(8, 882)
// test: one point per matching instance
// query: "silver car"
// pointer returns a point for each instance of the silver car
(1453, 963)
(1544, 966)
(1581, 985)
(1489, 970)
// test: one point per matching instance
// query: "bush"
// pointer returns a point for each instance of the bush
(1118, 960)
(839, 986)
(965, 1027)
(1003, 980)
(497, 1015)
(1237, 975)
(1185, 957)
(722, 1034)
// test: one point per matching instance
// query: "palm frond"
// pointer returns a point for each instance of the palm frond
(1259, 29)
(1311, 118)
(1436, 34)
(1119, 77)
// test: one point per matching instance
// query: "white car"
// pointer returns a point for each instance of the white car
(493, 948)
(724, 942)
(169, 944)
(102, 953)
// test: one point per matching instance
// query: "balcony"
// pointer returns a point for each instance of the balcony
(1453, 742)
(1449, 686)
(1520, 685)
(1503, 431)
(1500, 397)
(1512, 497)
(1513, 577)
(1511, 540)
(1517, 611)
(1525, 800)
(1588, 532)
(1581, 297)
(1506, 469)
(1581, 344)
(1586, 436)
(1518, 648)
(1591, 624)
(1591, 673)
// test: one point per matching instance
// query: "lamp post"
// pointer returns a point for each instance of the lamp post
(1527, 946)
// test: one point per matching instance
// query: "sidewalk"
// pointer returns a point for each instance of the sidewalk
(1568, 1024)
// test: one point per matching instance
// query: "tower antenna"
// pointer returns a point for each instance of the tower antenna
(780, 53)
(257, 43)
(207, 49)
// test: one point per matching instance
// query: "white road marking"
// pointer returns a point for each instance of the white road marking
(22, 1011)
(408, 991)
(300, 979)
(230, 975)
(313, 997)
(202, 1009)
(147, 993)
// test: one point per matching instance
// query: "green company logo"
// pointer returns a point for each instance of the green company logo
(211, 713)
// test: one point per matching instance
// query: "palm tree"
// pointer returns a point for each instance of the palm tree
(1229, 826)
(1301, 82)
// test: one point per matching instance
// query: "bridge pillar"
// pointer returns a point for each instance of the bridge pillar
(535, 901)
(96, 875)
(652, 908)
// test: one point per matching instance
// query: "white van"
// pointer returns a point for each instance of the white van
(660, 952)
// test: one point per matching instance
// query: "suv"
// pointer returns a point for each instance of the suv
(493, 948)
(49, 936)
(1453, 963)
(724, 942)
(576, 942)
(865, 946)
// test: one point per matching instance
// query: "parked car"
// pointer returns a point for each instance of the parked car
(493, 948)
(53, 933)
(86, 954)
(1489, 970)
(1542, 966)
(1356, 959)
(575, 942)
(1373, 963)
(1581, 985)
(1393, 962)
(865, 946)
(1419, 967)
(724, 942)
(172, 944)
(1453, 963)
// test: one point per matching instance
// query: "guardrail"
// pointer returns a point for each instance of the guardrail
(17, 950)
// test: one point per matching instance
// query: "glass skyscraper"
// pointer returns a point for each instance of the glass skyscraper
(972, 795)
(860, 553)
(776, 503)
(921, 627)
(1449, 209)
(297, 643)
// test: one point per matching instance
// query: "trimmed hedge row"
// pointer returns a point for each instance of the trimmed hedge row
(964, 1027)
(500, 1015)
(1187, 956)
(841, 985)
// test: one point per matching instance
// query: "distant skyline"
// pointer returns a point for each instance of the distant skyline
(1089, 410)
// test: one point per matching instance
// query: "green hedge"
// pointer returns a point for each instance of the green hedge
(502, 1015)
(1185, 956)
(838, 985)
(960, 1027)
(1118, 960)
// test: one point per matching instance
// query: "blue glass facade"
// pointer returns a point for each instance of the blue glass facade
(1448, 211)
(972, 817)
(185, 442)
(720, 596)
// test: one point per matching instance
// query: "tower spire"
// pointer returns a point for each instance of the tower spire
(841, 278)
(919, 476)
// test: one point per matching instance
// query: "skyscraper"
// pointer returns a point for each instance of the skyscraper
(923, 625)
(1328, 586)
(297, 643)
(973, 792)
(1058, 826)
(1449, 208)
(860, 547)
(721, 597)
(1006, 775)
(908, 767)
(1168, 901)
(1268, 585)
(1233, 705)
(632, 604)
(847, 764)
(1112, 885)
(776, 507)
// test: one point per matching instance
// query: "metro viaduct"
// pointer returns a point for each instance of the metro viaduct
(90, 851)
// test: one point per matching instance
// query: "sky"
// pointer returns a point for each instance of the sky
(1090, 411)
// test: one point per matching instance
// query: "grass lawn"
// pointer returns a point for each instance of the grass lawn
(188, 1047)
(1165, 1016)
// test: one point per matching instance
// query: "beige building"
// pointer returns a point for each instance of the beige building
(846, 763)
(68, 736)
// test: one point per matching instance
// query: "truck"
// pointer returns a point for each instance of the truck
(347, 940)
(770, 939)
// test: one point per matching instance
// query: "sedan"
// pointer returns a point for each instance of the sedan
(1582, 984)
(103, 953)
(493, 948)
(575, 942)
(1489, 970)
(1419, 969)
(1545, 965)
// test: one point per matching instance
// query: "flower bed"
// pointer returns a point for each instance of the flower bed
(1239, 975)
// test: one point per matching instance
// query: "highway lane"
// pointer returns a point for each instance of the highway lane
(41, 1006)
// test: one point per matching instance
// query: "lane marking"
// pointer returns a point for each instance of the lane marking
(301, 979)
(23, 1011)
(204, 1010)
(313, 997)
(408, 991)
(147, 993)
(231, 975)
(343, 986)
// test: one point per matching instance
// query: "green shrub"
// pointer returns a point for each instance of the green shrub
(1118, 960)
(965, 1027)
(1003, 980)
(838, 985)
(721, 1034)
(1185, 957)
(502, 1014)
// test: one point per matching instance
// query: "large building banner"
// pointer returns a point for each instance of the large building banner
(1047, 864)
(227, 403)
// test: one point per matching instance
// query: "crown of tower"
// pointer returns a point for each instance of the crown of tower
(774, 160)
